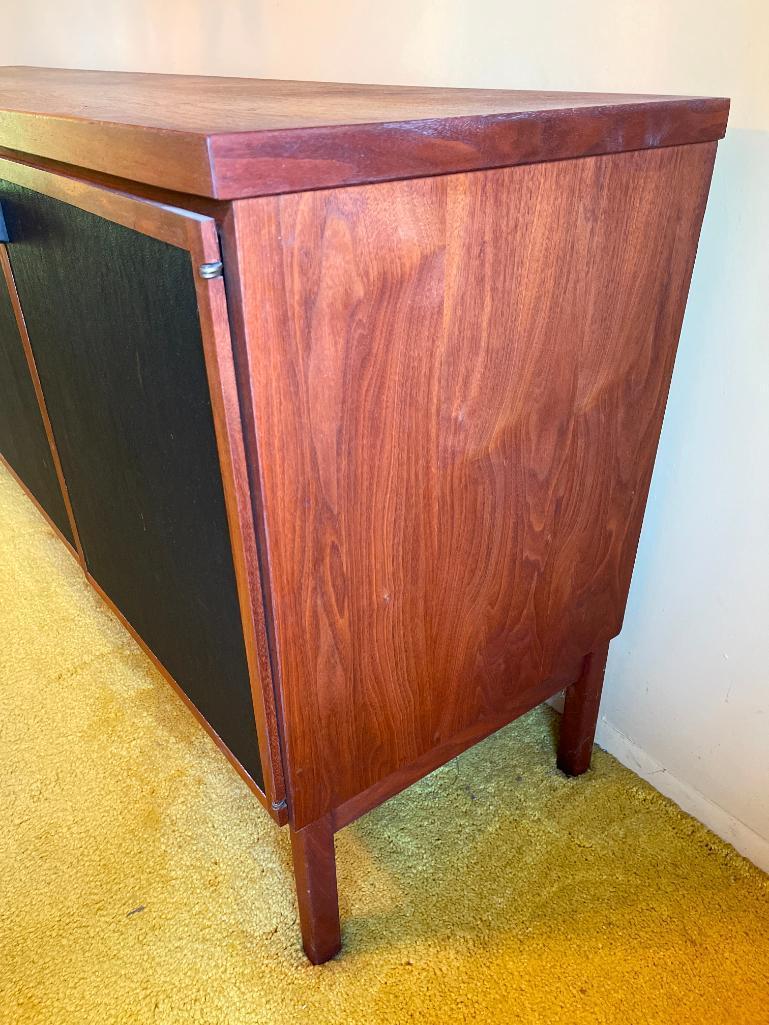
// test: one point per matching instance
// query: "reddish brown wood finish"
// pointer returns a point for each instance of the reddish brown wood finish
(229, 137)
(216, 208)
(382, 790)
(7, 273)
(315, 874)
(168, 224)
(580, 715)
(457, 389)
(438, 431)
(225, 402)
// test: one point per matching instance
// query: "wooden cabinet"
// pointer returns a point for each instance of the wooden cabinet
(348, 399)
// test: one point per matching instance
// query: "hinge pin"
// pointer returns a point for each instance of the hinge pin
(211, 270)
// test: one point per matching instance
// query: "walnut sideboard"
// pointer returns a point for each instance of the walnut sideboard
(346, 398)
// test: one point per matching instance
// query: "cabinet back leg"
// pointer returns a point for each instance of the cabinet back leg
(315, 874)
(580, 714)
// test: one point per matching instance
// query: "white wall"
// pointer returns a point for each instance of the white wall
(687, 690)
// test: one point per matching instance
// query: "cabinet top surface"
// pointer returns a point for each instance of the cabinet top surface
(234, 137)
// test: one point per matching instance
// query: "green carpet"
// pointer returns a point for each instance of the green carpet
(141, 882)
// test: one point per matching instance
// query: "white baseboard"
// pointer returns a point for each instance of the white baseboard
(749, 843)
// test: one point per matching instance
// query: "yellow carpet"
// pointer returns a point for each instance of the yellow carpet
(141, 882)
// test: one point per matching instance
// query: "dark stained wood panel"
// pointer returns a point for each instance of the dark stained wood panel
(233, 137)
(113, 323)
(458, 386)
(23, 441)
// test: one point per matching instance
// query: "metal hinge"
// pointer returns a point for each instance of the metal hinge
(211, 270)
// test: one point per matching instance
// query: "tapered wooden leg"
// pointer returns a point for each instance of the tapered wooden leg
(316, 893)
(580, 715)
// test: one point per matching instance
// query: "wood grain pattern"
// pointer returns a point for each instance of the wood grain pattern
(516, 704)
(229, 137)
(458, 385)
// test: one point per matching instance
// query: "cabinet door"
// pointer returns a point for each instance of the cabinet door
(131, 345)
(23, 440)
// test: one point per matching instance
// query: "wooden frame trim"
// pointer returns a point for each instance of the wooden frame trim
(187, 201)
(230, 244)
(72, 551)
(157, 220)
(197, 234)
(21, 325)
(203, 243)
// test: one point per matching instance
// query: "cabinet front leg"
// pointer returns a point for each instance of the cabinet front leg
(316, 893)
(580, 714)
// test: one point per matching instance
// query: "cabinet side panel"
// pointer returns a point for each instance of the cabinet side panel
(23, 441)
(113, 323)
(458, 389)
